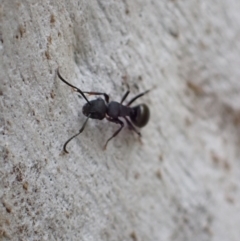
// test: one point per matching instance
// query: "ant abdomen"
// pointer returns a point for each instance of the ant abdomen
(140, 115)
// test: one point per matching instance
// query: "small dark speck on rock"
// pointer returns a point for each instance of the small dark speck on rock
(25, 185)
(52, 19)
(137, 175)
(7, 206)
(52, 94)
(174, 33)
(159, 175)
(160, 157)
(133, 236)
(22, 30)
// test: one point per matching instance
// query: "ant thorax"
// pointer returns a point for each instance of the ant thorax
(115, 110)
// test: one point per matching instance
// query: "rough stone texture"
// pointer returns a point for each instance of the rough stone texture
(182, 183)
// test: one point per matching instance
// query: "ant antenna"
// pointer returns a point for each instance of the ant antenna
(75, 88)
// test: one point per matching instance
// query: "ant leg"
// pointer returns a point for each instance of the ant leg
(132, 127)
(117, 121)
(106, 96)
(74, 87)
(80, 131)
(136, 97)
(125, 96)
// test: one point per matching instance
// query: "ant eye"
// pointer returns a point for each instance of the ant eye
(140, 115)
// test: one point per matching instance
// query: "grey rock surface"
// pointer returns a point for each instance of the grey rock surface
(182, 182)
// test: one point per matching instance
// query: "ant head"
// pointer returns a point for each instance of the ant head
(140, 115)
(95, 108)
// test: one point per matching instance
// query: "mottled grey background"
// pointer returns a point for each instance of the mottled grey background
(182, 183)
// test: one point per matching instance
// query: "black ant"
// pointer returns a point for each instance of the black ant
(100, 109)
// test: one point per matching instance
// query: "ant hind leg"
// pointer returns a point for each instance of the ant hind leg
(117, 121)
(132, 127)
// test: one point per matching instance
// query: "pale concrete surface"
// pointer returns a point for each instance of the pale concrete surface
(182, 183)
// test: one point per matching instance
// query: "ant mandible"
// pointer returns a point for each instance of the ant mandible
(100, 109)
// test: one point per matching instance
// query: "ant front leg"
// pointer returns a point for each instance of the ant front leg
(117, 121)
